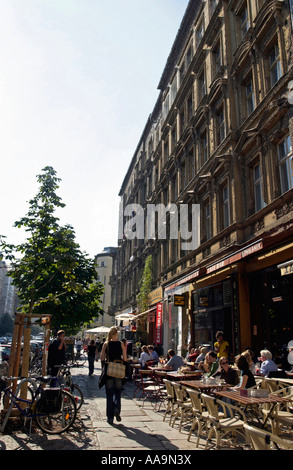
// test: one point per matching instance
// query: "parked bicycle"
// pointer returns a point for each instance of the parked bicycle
(53, 409)
(65, 377)
(76, 359)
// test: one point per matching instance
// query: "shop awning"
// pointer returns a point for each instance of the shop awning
(286, 268)
(142, 314)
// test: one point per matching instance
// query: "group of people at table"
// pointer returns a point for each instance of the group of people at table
(215, 363)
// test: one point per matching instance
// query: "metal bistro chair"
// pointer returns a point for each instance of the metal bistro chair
(183, 404)
(161, 393)
(260, 439)
(171, 400)
(200, 414)
(148, 386)
(282, 414)
(224, 425)
(143, 380)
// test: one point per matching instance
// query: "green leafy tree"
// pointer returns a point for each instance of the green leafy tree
(51, 274)
(145, 286)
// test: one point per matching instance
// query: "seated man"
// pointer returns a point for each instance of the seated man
(267, 364)
(175, 362)
(153, 354)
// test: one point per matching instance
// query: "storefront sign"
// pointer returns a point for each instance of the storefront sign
(179, 300)
(185, 279)
(159, 322)
(250, 250)
(155, 296)
(286, 268)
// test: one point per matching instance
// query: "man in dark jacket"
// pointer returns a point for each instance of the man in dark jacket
(56, 353)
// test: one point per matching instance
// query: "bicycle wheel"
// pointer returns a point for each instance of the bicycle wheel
(77, 395)
(59, 421)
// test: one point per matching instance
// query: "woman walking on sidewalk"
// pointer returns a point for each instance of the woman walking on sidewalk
(113, 349)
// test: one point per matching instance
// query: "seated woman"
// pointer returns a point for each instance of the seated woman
(227, 373)
(144, 357)
(202, 355)
(247, 378)
(210, 365)
(249, 357)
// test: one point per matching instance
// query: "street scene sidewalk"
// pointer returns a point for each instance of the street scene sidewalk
(141, 428)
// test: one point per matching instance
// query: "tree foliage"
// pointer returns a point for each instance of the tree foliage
(145, 285)
(51, 274)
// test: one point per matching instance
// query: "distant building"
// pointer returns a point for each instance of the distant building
(8, 296)
(106, 266)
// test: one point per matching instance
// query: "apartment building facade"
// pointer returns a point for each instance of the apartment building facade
(218, 139)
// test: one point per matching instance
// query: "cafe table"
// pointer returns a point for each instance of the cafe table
(204, 387)
(177, 375)
(248, 401)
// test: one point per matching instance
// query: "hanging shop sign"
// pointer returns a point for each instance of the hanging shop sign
(286, 268)
(179, 300)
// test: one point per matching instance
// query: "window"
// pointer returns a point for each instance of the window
(285, 164)
(189, 108)
(220, 126)
(213, 5)
(250, 100)
(275, 65)
(199, 32)
(202, 85)
(226, 207)
(173, 139)
(217, 58)
(188, 56)
(244, 22)
(182, 121)
(203, 148)
(258, 197)
(183, 175)
(207, 221)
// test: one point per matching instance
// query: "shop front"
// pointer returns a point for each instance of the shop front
(212, 308)
(271, 307)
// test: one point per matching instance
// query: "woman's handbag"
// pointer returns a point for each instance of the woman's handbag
(116, 369)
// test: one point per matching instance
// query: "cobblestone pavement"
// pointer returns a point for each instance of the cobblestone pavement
(142, 428)
(81, 436)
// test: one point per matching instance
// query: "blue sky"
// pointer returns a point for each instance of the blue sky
(78, 80)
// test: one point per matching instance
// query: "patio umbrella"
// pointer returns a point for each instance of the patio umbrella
(99, 329)
(125, 316)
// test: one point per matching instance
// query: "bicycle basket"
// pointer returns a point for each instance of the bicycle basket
(50, 401)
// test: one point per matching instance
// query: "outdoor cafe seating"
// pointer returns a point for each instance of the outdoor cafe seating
(183, 405)
(223, 420)
(200, 416)
(170, 400)
(260, 439)
(147, 386)
(197, 405)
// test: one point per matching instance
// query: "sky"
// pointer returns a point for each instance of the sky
(78, 81)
